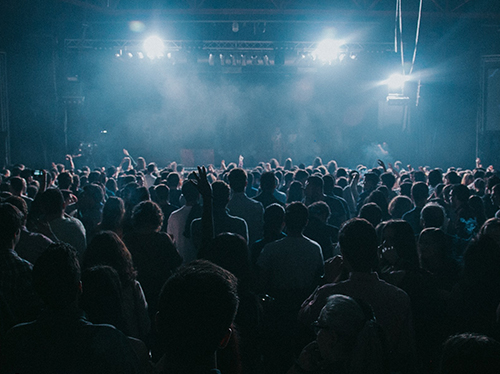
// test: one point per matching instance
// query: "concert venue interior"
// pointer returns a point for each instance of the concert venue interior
(200, 81)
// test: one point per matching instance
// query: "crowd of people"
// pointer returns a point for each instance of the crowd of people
(236, 270)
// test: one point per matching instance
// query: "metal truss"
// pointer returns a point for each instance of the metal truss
(213, 46)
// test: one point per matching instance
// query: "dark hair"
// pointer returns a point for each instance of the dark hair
(403, 240)
(237, 179)
(372, 213)
(419, 191)
(190, 191)
(17, 184)
(11, 220)
(435, 177)
(197, 305)
(460, 192)
(106, 248)
(230, 252)
(399, 206)
(112, 213)
(470, 354)
(102, 297)
(358, 244)
(295, 192)
(319, 208)
(162, 192)
(147, 215)
(296, 216)
(267, 181)
(432, 215)
(64, 180)
(56, 275)
(52, 201)
(388, 179)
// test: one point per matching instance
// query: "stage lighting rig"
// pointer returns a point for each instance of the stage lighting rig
(154, 47)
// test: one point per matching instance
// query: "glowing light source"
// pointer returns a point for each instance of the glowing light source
(154, 47)
(328, 50)
(396, 82)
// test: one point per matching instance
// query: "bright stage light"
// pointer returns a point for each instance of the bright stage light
(328, 50)
(154, 47)
(396, 82)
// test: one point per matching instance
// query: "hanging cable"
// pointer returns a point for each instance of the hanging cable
(396, 27)
(416, 36)
(401, 37)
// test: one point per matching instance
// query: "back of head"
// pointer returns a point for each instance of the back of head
(56, 276)
(11, 220)
(315, 182)
(296, 216)
(371, 179)
(147, 216)
(435, 177)
(220, 191)
(419, 192)
(196, 308)
(52, 201)
(17, 184)
(460, 192)
(399, 234)
(20, 204)
(319, 209)
(399, 206)
(190, 192)
(388, 179)
(237, 179)
(151, 167)
(162, 193)
(64, 180)
(358, 244)
(102, 298)
(267, 181)
(360, 338)
(470, 354)
(106, 248)
(432, 215)
(230, 252)
(372, 213)
(173, 180)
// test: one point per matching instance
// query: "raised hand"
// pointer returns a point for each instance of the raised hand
(201, 182)
(381, 163)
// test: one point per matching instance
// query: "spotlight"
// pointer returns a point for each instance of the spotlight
(396, 82)
(154, 47)
(130, 55)
(236, 27)
(140, 55)
(328, 50)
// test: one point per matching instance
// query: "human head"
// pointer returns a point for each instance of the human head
(433, 248)
(296, 216)
(372, 213)
(17, 186)
(173, 180)
(56, 276)
(319, 210)
(470, 353)
(459, 195)
(196, 309)
(162, 193)
(435, 177)
(314, 186)
(267, 181)
(52, 202)
(147, 216)
(220, 191)
(371, 181)
(274, 218)
(237, 179)
(419, 193)
(348, 333)
(398, 233)
(399, 206)
(10, 228)
(106, 248)
(64, 180)
(295, 192)
(20, 204)
(432, 215)
(358, 244)
(101, 298)
(190, 192)
(388, 179)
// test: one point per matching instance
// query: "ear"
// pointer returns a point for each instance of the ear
(80, 288)
(225, 340)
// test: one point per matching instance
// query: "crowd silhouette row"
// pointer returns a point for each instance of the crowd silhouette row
(236, 270)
